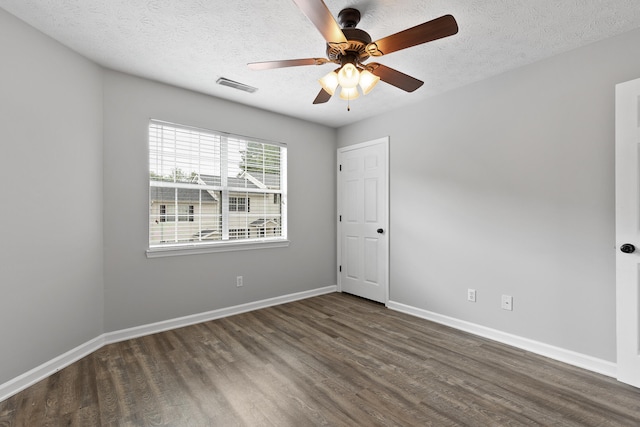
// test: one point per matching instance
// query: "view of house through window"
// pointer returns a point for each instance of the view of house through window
(207, 187)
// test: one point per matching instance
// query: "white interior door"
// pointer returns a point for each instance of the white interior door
(363, 211)
(628, 231)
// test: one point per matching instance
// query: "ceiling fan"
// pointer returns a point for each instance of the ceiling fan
(350, 47)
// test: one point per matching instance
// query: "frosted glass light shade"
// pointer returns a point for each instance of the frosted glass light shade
(329, 82)
(349, 93)
(348, 76)
(368, 80)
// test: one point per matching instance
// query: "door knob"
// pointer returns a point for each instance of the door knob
(380, 231)
(628, 248)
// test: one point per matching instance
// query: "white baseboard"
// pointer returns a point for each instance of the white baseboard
(39, 373)
(166, 325)
(563, 355)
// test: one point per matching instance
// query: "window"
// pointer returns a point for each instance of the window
(185, 212)
(163, 213)
(238, 204)
(238, 233)
(167, 213)
(208, 188)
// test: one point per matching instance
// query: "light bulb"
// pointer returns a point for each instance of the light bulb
(349, 93)
(348, 76)
(368, 80)
(329, 82)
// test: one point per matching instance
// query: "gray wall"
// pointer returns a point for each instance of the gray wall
(139, 290)
(507, 186)
(75, 183)
(51, 289)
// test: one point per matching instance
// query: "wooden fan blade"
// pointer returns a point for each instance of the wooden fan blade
(323, 96)
(432, 30)
(319, 14)
(394, 77)
(286, 63)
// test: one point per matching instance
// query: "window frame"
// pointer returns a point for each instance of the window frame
(232, 244)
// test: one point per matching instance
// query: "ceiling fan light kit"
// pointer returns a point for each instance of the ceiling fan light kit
(349, 93)
(350, 47)
(349, 79)
(348, 76)
(368, 80)
(329, 82)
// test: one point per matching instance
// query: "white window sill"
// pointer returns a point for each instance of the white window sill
(191, 249)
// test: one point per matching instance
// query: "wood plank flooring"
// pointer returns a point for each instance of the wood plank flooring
(332, 360)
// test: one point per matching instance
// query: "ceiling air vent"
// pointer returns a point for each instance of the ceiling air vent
(240, 86)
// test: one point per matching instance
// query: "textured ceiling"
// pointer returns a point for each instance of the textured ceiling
(191, 43)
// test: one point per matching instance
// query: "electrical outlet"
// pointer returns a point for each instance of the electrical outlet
(239, 281)
(471, 295)
(507, 302)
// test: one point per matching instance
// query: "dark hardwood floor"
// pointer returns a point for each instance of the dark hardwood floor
(333, 360)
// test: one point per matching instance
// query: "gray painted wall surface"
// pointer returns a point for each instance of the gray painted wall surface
(138, 290)
(74, 164)
(51, 290)
(506, 186)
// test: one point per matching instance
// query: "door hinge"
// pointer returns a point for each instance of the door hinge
(340, 268)
(340, 168)
(340, 218)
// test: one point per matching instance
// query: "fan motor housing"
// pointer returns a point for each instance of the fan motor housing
(357, 41)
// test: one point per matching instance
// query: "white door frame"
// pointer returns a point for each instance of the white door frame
(628, 231)
(385, 142)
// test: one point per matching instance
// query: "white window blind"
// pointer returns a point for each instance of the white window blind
(208, 188)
